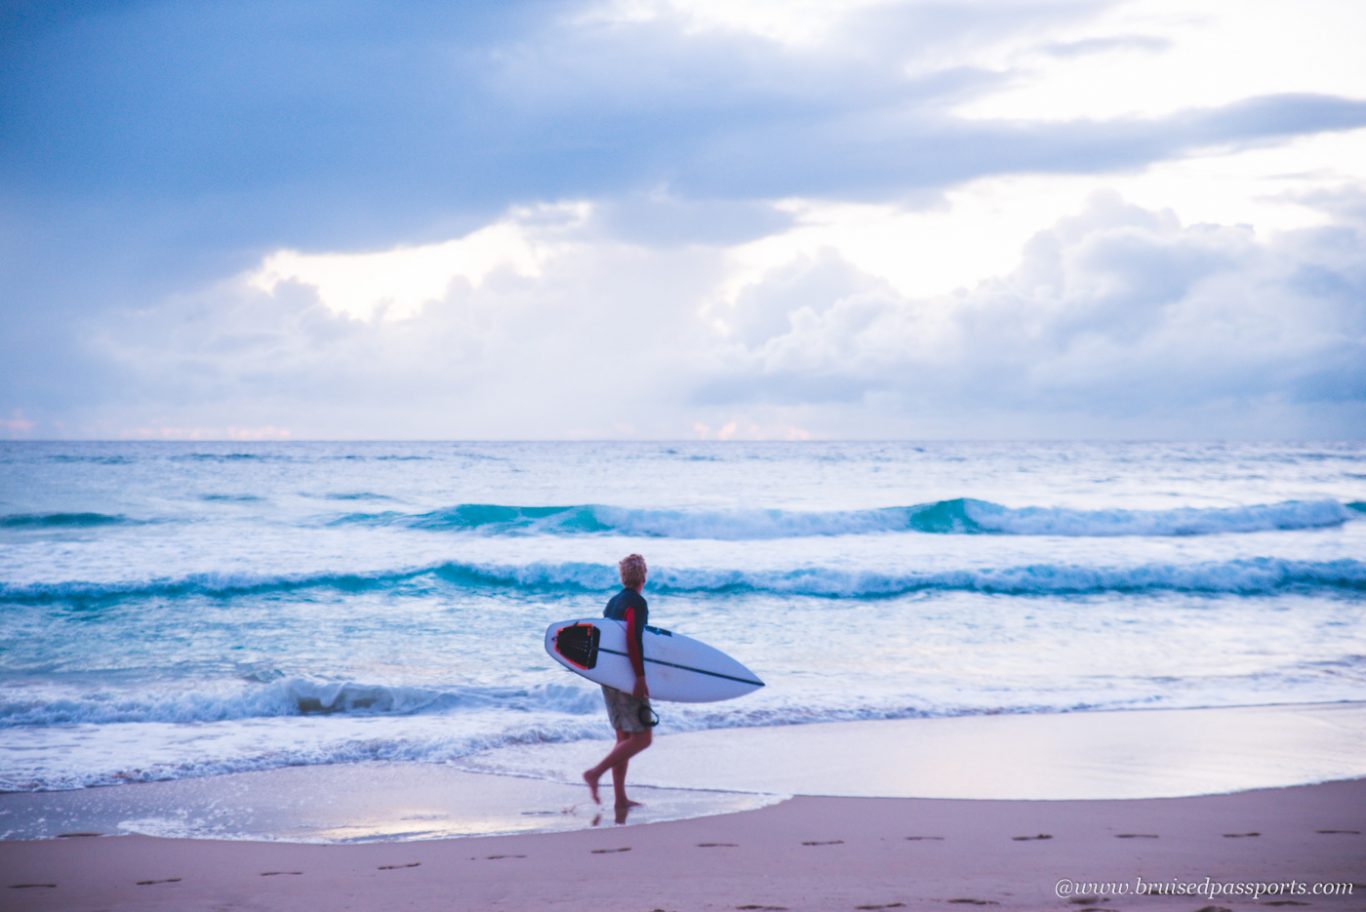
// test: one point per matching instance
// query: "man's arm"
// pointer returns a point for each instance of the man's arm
(635, 650)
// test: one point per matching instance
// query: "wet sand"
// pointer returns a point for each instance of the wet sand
(344, 803)
(1150, 753)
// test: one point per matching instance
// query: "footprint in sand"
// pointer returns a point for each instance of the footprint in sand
(1135, 835)
(1240, 836)
(1284, 902)
(399, 867)
(920, 838)
(820, 842)
(755, 907)
(499, 857)
(1342, 832)
(1087, 900)
(148, 883)
(1027, 838)
(718, 845)
(33, 886)
(281, 873)
(1213, 909)
(610, 851)
(891, 905)
(974, 902)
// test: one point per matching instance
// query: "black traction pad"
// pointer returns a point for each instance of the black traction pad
(579, 644)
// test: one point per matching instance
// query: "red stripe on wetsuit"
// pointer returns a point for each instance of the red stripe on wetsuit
(634, 646)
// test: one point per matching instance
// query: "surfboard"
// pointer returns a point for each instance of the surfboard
(677, 667)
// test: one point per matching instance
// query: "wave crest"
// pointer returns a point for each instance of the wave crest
(1245, 576)
(958, 516)
(61, 520)
(284, 697)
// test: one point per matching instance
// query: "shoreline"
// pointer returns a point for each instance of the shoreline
(1107, 755)
(344, 804)
(736, 850)
(1101, 754)
(806, 853)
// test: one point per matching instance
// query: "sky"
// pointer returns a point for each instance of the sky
(740, 219)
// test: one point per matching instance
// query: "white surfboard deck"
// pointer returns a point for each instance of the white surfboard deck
(677, 668)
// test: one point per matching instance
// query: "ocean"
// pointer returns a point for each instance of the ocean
(180, 610)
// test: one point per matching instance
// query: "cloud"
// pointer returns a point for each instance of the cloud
(330, 126)
(1119, 320)
(660, 219)
(155, 157)
(1147, 44)
(398, 283)
(1116, 313)
(17, 425)
(595, 342)
(762, 311)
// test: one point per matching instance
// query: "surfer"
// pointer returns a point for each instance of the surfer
(629, 713)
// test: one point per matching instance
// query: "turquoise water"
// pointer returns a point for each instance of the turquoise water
(171, 610)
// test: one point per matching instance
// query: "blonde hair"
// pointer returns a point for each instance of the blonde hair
(632, 568)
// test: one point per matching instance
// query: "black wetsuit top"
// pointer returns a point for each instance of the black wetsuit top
(630, 606)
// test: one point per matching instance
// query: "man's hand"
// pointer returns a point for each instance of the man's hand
(641, 690)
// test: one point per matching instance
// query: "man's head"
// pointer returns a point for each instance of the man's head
(632, 568)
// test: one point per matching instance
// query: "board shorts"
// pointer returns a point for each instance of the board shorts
(624, 710)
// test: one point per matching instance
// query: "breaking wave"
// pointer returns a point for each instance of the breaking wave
(285, 697)
(1244, 576)
(959, 516)
(61, 520)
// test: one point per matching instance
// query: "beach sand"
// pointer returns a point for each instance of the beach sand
(801, 853)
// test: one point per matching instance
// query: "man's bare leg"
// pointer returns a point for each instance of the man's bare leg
(619, 779)
(619, 769)
(593, 780)
(628, 745)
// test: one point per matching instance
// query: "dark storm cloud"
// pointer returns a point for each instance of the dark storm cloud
(236, 126)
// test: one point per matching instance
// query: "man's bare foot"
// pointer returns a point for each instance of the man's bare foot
(623, 810)
(592, 785)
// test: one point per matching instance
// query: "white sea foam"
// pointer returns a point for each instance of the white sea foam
(1252, 575)
(961, 516)
(159, 701)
